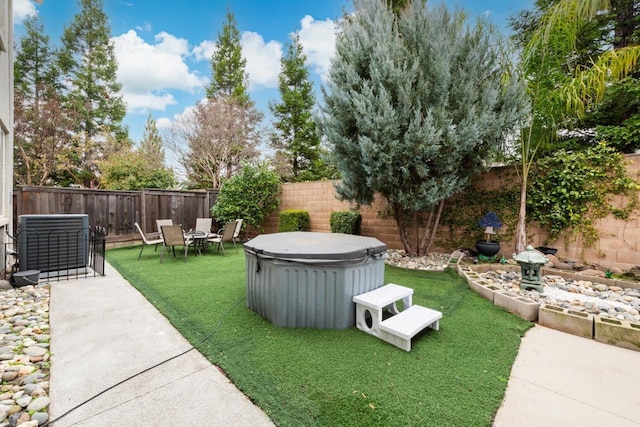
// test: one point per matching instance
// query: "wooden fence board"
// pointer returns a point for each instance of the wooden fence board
(116, 210)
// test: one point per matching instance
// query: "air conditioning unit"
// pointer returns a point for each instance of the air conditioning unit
(56, 245)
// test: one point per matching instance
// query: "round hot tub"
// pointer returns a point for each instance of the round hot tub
(308, 280)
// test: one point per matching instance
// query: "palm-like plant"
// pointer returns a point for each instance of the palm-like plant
(553, 94)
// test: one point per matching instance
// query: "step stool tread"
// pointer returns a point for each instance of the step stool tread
(409, 322)
(383, 296)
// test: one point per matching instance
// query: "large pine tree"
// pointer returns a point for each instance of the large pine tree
(88, 61)
(41, 125)
(151, 145)
(295, 138)
(415, 105)
(229, 77)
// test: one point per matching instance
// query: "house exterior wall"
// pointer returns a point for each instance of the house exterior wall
(6, 122)
(619, 244)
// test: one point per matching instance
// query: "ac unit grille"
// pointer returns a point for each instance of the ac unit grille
(53, 243)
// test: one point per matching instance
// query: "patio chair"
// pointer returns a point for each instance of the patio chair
(200, 235)
(148, 239)
(236, 234)
(204, 225)
(224, 235)
(161, 222)
(173, 235)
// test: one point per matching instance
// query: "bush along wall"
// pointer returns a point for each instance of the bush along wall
(346, 222)
(463, 211)
(294, 220)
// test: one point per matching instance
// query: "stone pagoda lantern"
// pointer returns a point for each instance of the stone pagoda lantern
(530, 262)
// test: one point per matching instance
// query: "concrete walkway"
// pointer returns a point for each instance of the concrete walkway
(103, 331)
(560, 379)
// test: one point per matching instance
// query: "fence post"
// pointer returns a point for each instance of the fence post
(143, 211)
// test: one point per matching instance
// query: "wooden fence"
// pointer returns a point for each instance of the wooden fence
(117, 211)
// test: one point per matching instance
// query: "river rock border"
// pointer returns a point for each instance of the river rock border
(621, 333)
(24, 355)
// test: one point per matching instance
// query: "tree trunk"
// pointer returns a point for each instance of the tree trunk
(426, 248)
(521, 230)
(425, 235)
(398, 214)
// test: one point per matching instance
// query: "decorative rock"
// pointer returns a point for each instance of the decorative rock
(39, 404)
(562, 266)
(30, 379)
(24, 401)
(30, 423)
(35, 351)
(9, 376)
(552, 259)
(615, 270)
(23, 319)
(40, 417)
(593, 272)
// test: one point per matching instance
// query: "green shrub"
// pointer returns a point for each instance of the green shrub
(346, 222)
(294, 220)
(252, 195)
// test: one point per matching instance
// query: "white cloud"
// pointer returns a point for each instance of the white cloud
(318, 40)
(144, 28)
(148, 71)
(22, 9)
(204, 50)
(163, 123)
(156, 100)
(263, 60)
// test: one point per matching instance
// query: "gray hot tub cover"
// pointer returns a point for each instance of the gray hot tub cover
(312, 247)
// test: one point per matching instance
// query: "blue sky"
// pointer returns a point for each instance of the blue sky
(163, 48)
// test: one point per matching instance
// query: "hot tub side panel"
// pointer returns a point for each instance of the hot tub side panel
(261, 289)
(291, 294)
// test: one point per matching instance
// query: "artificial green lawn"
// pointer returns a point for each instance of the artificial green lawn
(455, 376)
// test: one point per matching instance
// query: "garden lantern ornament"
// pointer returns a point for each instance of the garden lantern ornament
(530, 261)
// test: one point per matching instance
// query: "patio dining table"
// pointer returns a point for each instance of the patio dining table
(199, 239)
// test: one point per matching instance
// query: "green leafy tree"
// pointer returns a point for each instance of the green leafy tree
(251, 195)
(554, 95)
(128, 170)
(295, 137)
(229, 77)
(415, 106)
(615, 26)
(131, 169)
(41, 124)
(88, 62)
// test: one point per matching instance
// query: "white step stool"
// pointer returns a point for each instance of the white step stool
(403, 325)
(399, 329)
(375, 301)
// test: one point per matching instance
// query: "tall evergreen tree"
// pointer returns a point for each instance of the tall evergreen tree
(295, 138)
(151, 145)
(414, 106)
(88, 61)
(219, 135)
(229, 77)
(41, 125)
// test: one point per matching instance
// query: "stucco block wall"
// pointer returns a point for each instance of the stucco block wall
(619, 244)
